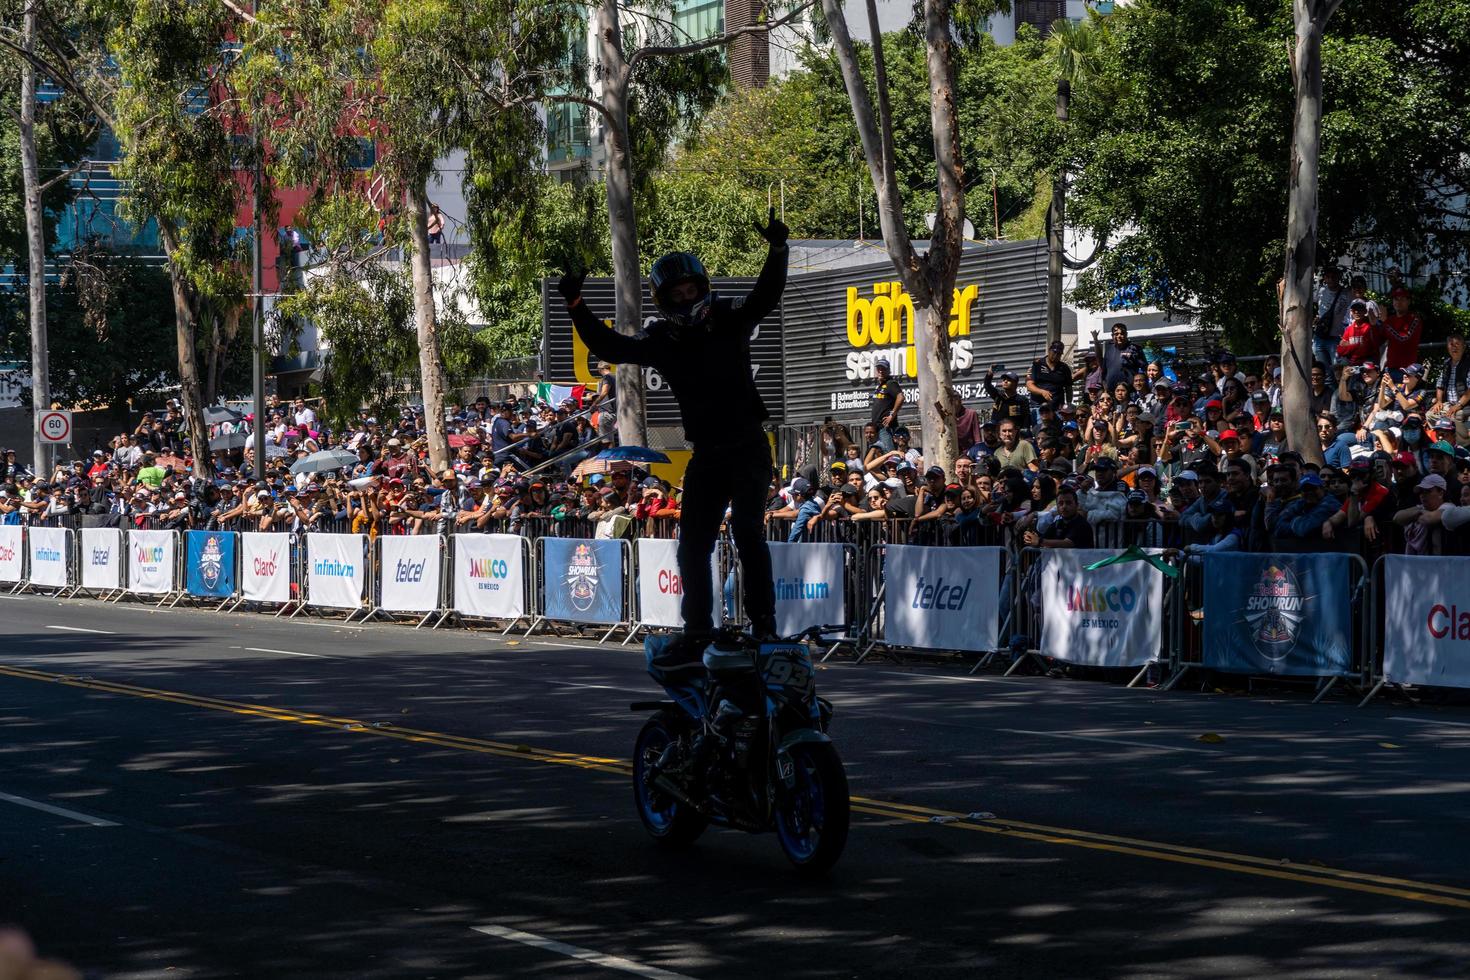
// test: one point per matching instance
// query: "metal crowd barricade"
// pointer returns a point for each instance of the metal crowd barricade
(99, 548)
(1189, 651)
(136, 584)
(873, 628)
(295, 576)
(453, 604)
(377, 582)
(1029, 615)
(64, 553)
(626, 599)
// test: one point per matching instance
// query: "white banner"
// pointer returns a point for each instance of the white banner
(660, 587)
(1108, 618)
(489, 576)
(101, 558)
(941, 598)
(12, 553)
(408, 572)
(810, 580)
(334, 570)
(151, 562)
(1426, 632)
(265, 566)
(48, 547)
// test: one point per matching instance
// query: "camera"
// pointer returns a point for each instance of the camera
(997, 368)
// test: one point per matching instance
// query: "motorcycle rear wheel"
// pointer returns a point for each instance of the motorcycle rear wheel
(667, 821)
(812, 817)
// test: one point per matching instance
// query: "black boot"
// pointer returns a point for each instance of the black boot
(686, 652)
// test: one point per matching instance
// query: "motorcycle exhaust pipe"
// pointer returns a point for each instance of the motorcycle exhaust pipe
(667, 785)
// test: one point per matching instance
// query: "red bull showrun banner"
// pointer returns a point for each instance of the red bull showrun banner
(1279, 614)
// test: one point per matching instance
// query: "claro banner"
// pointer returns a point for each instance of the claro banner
(12, 553)
(941, 598)
(1111, 617)
(810, 585)
(408, 572)
(334, 570)
(489, 576)
(1426, 632)
(265, 567)
(48, 548)
(661, 588)
(101, 558)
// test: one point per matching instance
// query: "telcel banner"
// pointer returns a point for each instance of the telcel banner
(1278, 614)
(12, 554)
(810, 585)
(151, 562)
(48, 547)
(265, 566)
(1110, 617)
(489, 576)
(101, 558)
(209, 563)
(660, 587)
(941, 598)
(583, 580)
(408, 572)
(334, 570)
(1426, 632)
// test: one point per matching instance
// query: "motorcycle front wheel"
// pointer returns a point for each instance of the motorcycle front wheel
(812, 817)
(666, 820)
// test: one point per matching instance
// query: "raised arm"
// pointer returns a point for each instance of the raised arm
(766, 292)
(603, 341)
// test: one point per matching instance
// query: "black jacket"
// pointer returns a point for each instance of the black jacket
(708, 370)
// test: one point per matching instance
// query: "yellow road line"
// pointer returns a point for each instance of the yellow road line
(1418, 891)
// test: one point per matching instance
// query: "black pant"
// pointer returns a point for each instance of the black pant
(738, 477)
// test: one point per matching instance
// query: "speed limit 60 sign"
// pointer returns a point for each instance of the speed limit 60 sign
(54, 426)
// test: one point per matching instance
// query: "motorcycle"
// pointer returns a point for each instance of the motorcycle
(743, 744)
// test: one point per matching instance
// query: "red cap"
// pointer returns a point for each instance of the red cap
(1215, 403)
(1405, 457)
(1228, 434)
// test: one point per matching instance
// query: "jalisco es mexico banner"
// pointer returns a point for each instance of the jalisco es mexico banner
(1110, 617)
(941, 598)
(489, 575)
(151, 561)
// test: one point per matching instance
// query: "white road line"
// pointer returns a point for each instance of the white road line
(56, 810)
(579, 953)
(1430, 721)
(79, 629)
(1109, 741)
(289, 653)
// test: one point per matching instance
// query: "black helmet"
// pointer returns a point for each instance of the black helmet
(677, 267)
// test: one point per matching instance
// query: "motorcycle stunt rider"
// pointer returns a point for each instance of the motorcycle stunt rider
(700, 344)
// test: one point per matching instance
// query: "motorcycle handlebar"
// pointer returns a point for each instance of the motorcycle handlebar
(816, 632)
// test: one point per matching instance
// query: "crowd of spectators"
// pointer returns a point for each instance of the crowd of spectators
(511, 467)
(1114, 449)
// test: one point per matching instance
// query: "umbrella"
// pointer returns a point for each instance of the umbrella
(599, 465)
(633, 454)
(277, 452)
(175, 461)
(215, 414)
(230, 440)
(456, 440)
(327, 459)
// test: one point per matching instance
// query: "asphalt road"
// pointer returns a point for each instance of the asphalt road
(192, 794)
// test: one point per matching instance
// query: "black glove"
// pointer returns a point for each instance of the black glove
(570, 285)
(775, 230)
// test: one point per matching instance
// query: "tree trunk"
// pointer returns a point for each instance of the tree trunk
(36, 248)
(211, 373)
(426, 323)
(622, 219)
(1310, 18)
(184, 320)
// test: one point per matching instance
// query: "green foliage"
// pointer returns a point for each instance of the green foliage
(109, 330)
(1180, 154)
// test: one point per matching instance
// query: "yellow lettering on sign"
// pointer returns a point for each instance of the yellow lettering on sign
(582, 358)
(887, 319)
